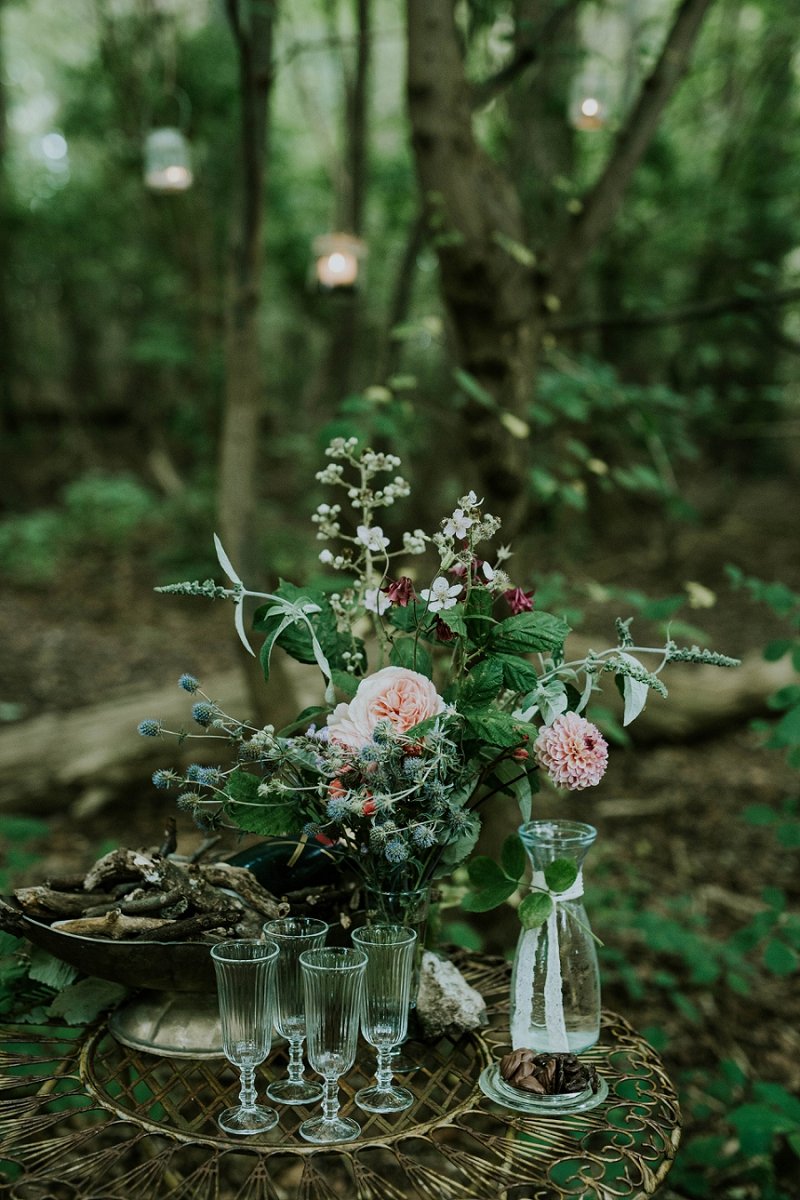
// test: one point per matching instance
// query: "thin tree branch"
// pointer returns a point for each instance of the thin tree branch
(677, 316)
(602, 203)
(527, 56)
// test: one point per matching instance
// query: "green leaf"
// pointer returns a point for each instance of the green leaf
(408, 652)
(787, 731)
(518, 675)
(490, 897)
(82, 1002)
(775, 650)
(50, 971)
(785, 697)
(512, 857)
(295, 639)
(470, 387)
(528, 633)
(494, 728)
(535, 909)
(519, 252)
(759, 814)
(779, 958)
(634, 691)
(465, 843)
(242, 787)
(453, 618)
(484, 872)
(268, 819)
(346, 683)
(478, 618)
(481, 685)
(560, 874)
(757, 1125)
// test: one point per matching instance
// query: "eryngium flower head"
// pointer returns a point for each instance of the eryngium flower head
(150, 727)
(572, 751)
(203, 712)
(188, 683)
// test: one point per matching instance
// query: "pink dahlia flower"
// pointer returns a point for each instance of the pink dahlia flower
(572, 751)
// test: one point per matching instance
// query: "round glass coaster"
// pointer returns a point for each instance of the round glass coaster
(495, 1087)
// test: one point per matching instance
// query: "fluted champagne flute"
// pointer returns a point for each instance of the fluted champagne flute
(333, 981)
(245, 970)
(387, 984)
(293, 935)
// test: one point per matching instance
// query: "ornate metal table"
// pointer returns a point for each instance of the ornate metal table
(82, 1116)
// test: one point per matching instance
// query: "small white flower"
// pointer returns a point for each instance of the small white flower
(375, 601)
(325, 556)
(470, 500)
(488, 572)
(414, 543)
(441, 595)
(503, 553)
(372, 538)
(457, 525)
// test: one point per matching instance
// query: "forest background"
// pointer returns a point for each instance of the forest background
(596, 328)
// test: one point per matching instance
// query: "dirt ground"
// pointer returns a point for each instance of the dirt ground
(669, 816)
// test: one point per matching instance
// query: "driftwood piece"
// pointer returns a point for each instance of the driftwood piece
(44, 904)
(113, 924)
(191, 928)
(242, 881)
(120, 866)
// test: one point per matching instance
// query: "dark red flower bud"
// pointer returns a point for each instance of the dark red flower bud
(518, 600)
(401, 592)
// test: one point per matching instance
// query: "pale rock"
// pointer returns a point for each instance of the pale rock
(446, 1004)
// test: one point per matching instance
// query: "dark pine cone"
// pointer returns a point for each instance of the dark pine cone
(547, 1074)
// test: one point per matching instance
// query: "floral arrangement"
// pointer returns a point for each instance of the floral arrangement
(436, 698)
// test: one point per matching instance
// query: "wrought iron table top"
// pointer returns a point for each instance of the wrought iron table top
(82, 1116)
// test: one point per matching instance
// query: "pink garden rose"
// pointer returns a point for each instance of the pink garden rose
(572, 751)
(394, 694)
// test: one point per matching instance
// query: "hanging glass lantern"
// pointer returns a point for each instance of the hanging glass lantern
(167, 161)
(338, 262)
(589, 101)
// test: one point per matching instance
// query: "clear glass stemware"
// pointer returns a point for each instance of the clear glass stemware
(293, 935)
(387, 983)
(245, 969)
(333, 981)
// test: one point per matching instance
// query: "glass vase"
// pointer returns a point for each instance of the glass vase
(407, 908)
(555, 982)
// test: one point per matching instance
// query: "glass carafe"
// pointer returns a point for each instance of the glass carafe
(555, 983)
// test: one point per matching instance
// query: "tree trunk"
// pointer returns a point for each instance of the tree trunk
(252, 24)
(7, 352)
(474, 216)
(496, 295)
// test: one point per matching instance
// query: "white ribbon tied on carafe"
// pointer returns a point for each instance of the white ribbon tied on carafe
(553, 1000)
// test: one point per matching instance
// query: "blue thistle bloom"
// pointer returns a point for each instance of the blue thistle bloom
(368, 754)
(311, 829)
(413, 767)
(188, 683)
(193, 772)
(203, 712)
(396, 851)
(423, 836)
(337, 808)
(164, 779)
(187, 801)
(382, 733)
(209, 776)
(150, 727)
